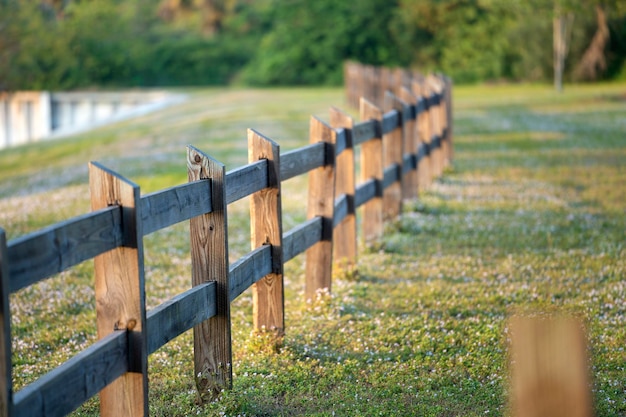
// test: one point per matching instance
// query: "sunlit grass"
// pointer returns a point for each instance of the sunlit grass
(530, 218)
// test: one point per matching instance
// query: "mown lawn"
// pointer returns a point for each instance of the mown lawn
(531, 218)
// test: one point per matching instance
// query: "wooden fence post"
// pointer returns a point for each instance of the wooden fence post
(120, 293)
(424, 126)
(411, 141)
(549, 374)
(393, 148)
(448, 97)
(437, 128)
(372, 168)
(321, 203)
(6, 384)
(266, 229)
(344, 235)
(209, 262)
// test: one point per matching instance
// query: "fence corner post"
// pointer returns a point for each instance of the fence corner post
(266, 229)
(120, 292)
(321, 202)
(209, 262)
(344, 235)
(6, 384)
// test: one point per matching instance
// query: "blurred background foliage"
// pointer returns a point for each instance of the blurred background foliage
(67, 44)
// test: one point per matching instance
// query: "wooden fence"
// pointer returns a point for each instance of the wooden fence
(403, 145)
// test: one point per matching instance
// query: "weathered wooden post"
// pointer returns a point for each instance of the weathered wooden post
(321, 203)
(209, 262)
(393, 147)
(372, 168)
(344, 235)
(120, 293)
(6, 384)
(266, 229)
(448, 128)
(549, 374)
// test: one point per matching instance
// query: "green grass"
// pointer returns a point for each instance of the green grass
(530, 218)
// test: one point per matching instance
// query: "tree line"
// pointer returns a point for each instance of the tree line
(67, 44)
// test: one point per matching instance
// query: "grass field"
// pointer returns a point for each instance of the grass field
(531, 218)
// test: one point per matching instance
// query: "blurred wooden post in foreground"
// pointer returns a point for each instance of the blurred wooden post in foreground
(549, 374)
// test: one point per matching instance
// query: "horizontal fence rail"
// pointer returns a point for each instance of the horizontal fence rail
(417, 130)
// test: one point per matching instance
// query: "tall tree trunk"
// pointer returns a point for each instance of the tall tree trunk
(593, 62)
(561, 29)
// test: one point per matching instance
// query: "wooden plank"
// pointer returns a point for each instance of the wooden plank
(301, 238)
(209, 262)
(341, 211)
(246, 180)
(51, 250)
(120, 292)
(367, 191)
(302, 160)
(425, 168)
(391, 176)
(321, 203)
(393, 148)
(344, 140)
(436, 123)
(69, 385)
(366, 130)
(179, 314)
(391, 120)
(174, 205)
(6, 373)
(266, 229)
(549, 375)
(249, 269)
(372, 169)
(411, 141)
(449, 115)
(344, 235)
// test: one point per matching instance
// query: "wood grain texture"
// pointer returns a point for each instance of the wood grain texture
(69, 385)
(344, 235)
(321, 203)
(120, 292)
(302, 160)
(6, 373)
(266, 229)
(174, 205)
(411, 142)
(209, 262)
(549, 375)
(393, 146)
(301, 238)
(249, 269)
(372, 169)
(179, 314)
(244, 181)
(51, 250)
